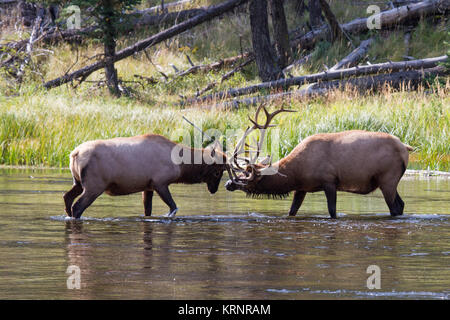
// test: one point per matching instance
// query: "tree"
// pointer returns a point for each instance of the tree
(268, 66)
(280, 32)
(109, 16)
(336, 30)
(315, 13)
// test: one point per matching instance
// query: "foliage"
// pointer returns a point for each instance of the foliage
(109, 15)
(41, 128)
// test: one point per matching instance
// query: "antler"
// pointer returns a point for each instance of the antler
(255, 149)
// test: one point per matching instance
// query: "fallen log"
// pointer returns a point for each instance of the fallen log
(298, 62)
(215, 65)
(388, 19)
(145, 19)
(158, 8)
(400, 80)
(224, 77)
(410, 79)
(336, 29)
(138, 19)
(210, 13)
(325, 76)
(354, 57)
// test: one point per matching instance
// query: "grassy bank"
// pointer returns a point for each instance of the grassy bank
(41, 128)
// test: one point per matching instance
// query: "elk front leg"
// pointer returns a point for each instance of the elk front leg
(330, 193)
(164, 194)
(147, 197)
(299, 196)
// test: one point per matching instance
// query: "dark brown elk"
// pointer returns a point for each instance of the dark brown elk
(146, 163)
(353, 161)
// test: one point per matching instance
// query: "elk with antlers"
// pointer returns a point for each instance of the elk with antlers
(353, 161)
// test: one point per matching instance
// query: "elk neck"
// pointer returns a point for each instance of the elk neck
(194, 170)
(279, 184)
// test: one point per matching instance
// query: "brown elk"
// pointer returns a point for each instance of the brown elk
(146, 163)
(353, 161)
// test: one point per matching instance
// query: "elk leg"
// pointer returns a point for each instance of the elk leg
(393, 200)
(85, 201)
(330, 193)
(165, 195)
(400, 204)
(70, 196)
(147, 197)
(299, 196)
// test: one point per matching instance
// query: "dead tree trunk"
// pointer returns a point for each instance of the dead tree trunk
(27, 59)
(336, 30)
(387, 18)
(280, 32)
(315, 13)
(386, 67)
(210, 13)
(300, 8)
(138, 19)
(355, 56)
(268, 68)
(399, 80)
(109, 40)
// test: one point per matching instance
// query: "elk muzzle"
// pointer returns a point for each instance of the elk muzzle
(230, 185)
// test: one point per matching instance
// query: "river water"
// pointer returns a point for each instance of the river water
(222, 246)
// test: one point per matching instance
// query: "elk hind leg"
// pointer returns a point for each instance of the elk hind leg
(87, 197)
(393, 200)
(399, 203)
(330, 193)
(70, 196)
(147, 197)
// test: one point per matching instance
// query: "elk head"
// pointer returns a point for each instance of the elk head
(247, 179)
(217, 164)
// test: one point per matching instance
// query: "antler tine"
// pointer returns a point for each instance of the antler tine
(256, 147)
(240, 148)
(273, 114)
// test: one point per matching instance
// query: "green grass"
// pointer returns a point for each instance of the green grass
(41, 128)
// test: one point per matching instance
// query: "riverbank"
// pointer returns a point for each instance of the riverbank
(42, 128)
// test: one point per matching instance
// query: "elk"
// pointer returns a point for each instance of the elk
(145, 163)
(353, 161)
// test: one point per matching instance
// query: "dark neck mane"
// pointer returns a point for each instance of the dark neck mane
(192, 173)
(275, 186)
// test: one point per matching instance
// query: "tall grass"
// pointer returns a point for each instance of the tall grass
(41, 128)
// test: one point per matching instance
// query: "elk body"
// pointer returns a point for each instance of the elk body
(352, 161)
(122, 166)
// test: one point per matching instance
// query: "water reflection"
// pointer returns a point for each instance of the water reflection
(221, 247)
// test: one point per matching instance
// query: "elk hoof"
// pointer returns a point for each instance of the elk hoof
(172, 214)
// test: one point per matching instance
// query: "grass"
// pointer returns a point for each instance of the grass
(40, 128)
